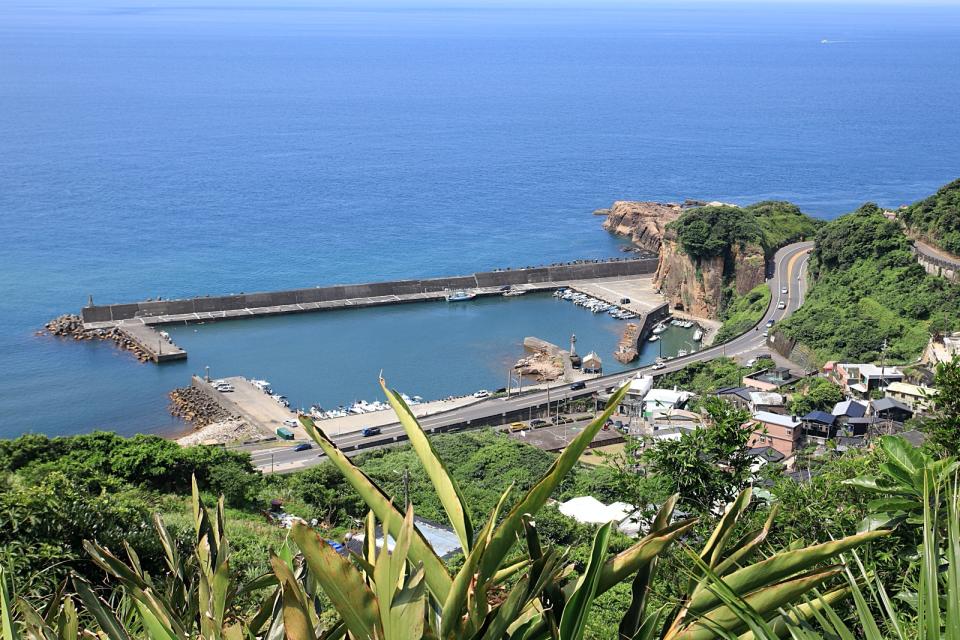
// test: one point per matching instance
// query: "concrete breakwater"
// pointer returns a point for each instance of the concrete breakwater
(339, 296)
(197, 407)
(72, 326)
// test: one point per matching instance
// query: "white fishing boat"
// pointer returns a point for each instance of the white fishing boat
(460, 295)
(513, 293)
(681, 353)
(660, 328)
(698, 335)
(653, 338)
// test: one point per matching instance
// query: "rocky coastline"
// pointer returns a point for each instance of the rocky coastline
(195, 406)
(71, 326)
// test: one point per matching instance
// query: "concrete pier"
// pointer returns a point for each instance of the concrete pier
(255, 407)
(159, 348)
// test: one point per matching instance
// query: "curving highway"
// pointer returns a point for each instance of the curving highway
(788, 266)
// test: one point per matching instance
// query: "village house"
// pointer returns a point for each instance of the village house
(819, 426)
(775, 430)
(751, 400)
(860, 379)
(920, 399)
(847, 409)
(769, 379)
(890, 410)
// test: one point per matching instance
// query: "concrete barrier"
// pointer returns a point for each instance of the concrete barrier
(215, 304)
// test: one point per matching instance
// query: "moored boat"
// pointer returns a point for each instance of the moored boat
(460, 295)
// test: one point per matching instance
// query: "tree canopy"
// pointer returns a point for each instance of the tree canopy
(937, 218)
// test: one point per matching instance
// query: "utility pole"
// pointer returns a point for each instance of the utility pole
(271, 463)
(406, 488)
(509, 381)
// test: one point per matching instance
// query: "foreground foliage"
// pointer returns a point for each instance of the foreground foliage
(510, 585)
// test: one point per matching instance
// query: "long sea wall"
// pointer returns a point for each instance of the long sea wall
(486, 279)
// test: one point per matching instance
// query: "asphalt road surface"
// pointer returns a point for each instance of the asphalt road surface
(789, 265)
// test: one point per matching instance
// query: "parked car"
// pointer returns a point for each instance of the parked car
(290, 422)
(225, 388)
(517, 426)
(303, 446)
(370, 431)
(577, 386)
(538, 422)
(483, 393)
(624, 300)
(561, 420)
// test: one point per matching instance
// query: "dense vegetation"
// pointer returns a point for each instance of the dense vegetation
(937, 218)
(706, 376)
(704, 469)
(743, 312)
(867, 290)
(711, 231)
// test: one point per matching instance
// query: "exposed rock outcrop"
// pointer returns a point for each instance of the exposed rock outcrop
(696, 286)
(643, 222)
(542, 365)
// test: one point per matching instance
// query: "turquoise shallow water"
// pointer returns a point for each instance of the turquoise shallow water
(182, 150)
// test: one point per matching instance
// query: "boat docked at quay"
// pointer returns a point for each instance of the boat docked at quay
(460, 295)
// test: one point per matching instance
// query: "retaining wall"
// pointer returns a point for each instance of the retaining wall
(937, 266)
(580, 271)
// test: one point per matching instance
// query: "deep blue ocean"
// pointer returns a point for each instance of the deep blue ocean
(235, 146)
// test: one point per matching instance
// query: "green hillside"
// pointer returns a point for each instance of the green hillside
(867, 288)
(937, 218)
(707, 232)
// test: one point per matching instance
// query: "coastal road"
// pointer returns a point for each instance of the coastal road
(789, 264)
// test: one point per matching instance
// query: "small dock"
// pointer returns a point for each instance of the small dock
(255, 407)
(157, 347)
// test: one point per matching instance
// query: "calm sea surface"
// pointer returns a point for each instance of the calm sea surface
(237, 147)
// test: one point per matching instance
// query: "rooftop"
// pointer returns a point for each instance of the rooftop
(820, 416)
(768, 398)
(849, 408)
(885, 404)
(910, 389)
(873, 371)
(776, 418)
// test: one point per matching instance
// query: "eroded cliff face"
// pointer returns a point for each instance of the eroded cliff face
(692, 285)
(696, 285)
(643, 222)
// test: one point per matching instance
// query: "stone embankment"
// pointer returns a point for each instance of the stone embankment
(71, 326)
(193, 405)
(221, 433)
(627, 349)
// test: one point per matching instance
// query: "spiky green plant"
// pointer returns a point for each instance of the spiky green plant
(510, 584)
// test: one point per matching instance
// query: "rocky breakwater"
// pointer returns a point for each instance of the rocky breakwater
(698, 285)
(71, 326)
(213, 424)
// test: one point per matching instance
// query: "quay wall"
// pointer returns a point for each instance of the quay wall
(553, 273)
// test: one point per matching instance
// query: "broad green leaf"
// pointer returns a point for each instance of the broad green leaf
(902, 453)
(625, 563)
(342, 583)
(507, 532)
(298, 623)
(764, 602)
(109, 625)
(154, 628)
(632, 622)
(6, 609)
(438, 580)
(573, 622)
(443, 483)
(779, 567)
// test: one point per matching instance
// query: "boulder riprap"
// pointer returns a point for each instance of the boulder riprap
(71, 326)
(193, 405)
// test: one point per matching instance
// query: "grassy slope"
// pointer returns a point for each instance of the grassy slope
(744, 312)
